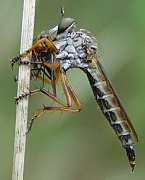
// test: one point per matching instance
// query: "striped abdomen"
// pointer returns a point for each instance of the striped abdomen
(111, 108)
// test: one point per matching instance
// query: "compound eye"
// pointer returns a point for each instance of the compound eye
(65, 24)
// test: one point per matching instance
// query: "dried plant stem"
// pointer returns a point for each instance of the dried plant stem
(23, 85)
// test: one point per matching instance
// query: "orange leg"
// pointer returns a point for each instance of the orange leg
(69, 91)
(50, 45)
(55, 66)
(66, 107)
(52, 78)
(48, 108)
(69, 94)
(44, 80)
(46, 64)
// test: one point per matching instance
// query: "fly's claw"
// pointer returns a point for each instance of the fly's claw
(21, 97)
(19, 59)
(131, 156)
(36, 115)
(16, 79)
(31, 123)
(13, 61)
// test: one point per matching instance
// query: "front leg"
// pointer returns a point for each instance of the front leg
(35, 47)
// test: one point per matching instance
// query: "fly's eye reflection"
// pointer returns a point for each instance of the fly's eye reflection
(66, 24)
(57, 50)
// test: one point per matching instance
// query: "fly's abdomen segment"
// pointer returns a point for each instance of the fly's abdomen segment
(111, 109)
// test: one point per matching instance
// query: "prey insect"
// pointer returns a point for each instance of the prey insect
(57, 50)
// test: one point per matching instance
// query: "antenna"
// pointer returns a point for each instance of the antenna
(62, 11)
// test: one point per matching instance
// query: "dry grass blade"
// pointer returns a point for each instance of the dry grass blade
(23, 85)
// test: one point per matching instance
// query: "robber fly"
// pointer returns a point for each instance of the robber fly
(57, 50)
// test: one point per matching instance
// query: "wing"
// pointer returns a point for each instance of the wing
(104, 74)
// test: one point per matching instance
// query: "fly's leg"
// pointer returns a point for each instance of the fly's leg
(42, 90)
(66, 107)
(55, 66)
(54, 76)
(50, 45)
(48, 108)
(69, 94)
(56, 72)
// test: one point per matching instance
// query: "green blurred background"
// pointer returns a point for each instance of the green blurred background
(79, 146)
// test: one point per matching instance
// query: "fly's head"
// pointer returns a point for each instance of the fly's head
(66, 25)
